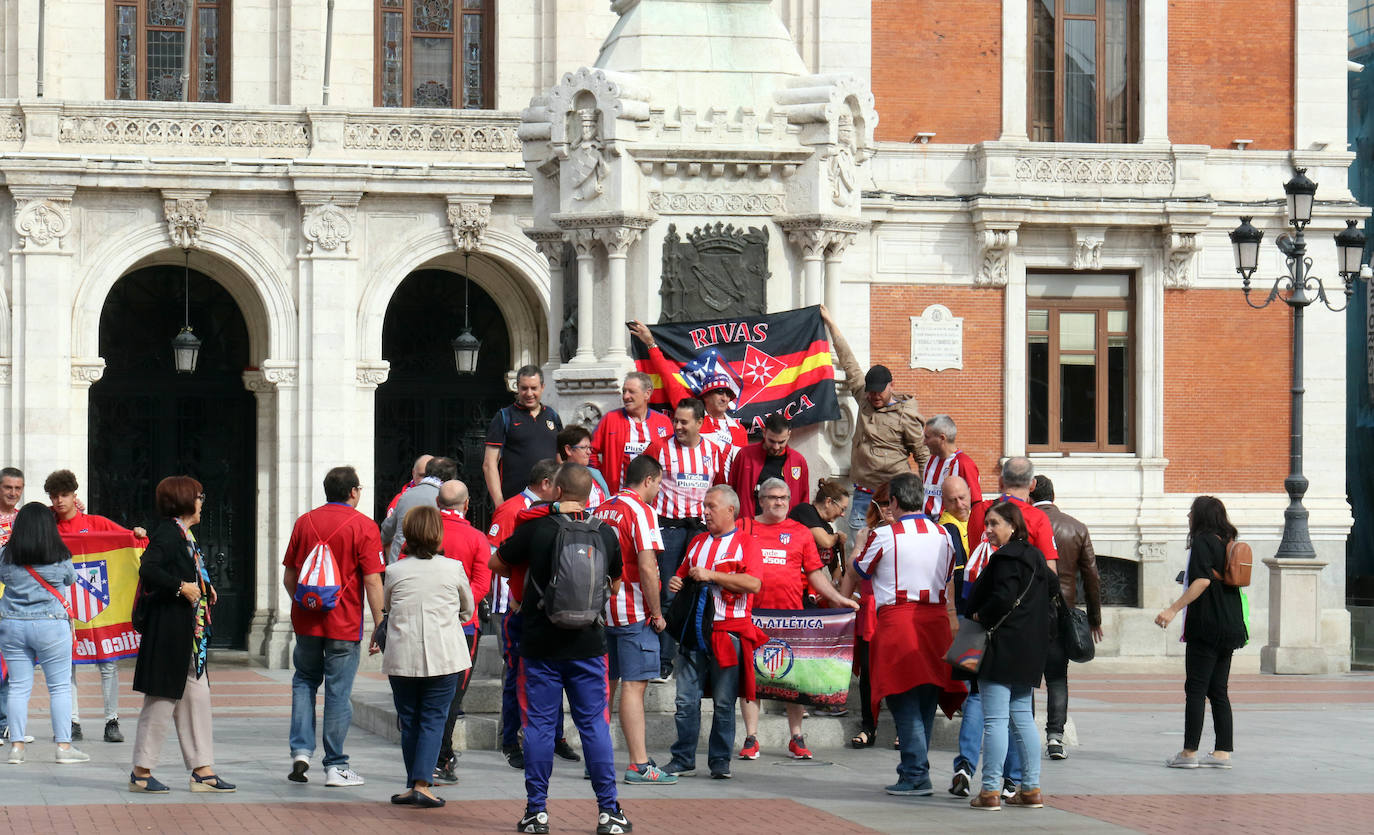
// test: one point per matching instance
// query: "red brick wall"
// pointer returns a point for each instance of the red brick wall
(1226, 395)
(937, 66)
(973, 395)
(1231, 72)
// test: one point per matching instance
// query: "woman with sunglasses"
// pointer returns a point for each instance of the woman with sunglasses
(173, 613)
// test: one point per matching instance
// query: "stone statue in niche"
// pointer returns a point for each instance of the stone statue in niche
(587, 158)
(718, 271)
(844, 168)
(567, 335)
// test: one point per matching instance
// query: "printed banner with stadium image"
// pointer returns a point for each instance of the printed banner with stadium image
(776, 362)
(809, 656)
(102, 597)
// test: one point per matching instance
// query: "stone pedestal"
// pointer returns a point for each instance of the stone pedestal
(1294, 646)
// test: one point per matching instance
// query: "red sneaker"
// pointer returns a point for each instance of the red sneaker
(750, 751)
(797, 750)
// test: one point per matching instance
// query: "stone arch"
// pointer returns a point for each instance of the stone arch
(507, 266)
(242, 266)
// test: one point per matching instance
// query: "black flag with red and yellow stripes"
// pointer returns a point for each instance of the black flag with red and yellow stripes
(775, 362)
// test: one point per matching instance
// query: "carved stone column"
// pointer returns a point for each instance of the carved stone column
(278, 483)
(584, 244)
(834, 255)
(49, 403)
(815, 236)
(550, 243)
(617, 240)
(812, 243)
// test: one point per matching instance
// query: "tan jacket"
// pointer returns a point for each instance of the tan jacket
(883, 438)
(427, 603)
(1075, 557)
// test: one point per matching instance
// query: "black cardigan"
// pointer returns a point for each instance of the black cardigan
(164, 656)
(1016, 653)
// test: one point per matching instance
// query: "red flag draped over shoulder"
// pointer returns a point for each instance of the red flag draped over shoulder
(102, 598)
(775, 362)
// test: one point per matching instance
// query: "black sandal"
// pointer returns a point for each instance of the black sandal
(862, 739)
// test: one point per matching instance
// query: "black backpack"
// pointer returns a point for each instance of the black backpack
(576, 594)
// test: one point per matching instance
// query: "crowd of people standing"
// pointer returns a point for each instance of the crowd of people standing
(678, 515)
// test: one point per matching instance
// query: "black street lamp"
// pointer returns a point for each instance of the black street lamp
(185, 345)
(1298, 289)
(465, 346)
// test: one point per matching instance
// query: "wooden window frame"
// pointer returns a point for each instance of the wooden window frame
(488, 15)
(225, 52)
(1100, 306)
(1132, 70)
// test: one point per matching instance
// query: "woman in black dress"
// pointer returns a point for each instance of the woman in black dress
(1213, 629)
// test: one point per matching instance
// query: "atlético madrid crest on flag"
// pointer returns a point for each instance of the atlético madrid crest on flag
(91, 591)
(774, 659)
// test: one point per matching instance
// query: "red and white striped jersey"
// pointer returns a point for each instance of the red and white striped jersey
(502, 524)
(637, 526)
(726, 431)
(731, 553)
(638, 435)
(688, 472)
(939, 469)
(596, 497)
(910, 560)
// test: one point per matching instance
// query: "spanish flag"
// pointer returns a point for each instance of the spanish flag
(102, 598)
(771, 363)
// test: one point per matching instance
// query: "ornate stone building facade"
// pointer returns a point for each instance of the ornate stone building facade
(322, 232)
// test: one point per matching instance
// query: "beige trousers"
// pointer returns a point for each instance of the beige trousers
(191, 713)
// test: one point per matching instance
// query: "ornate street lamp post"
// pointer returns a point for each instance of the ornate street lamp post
(1294, 597)
(1298, 289)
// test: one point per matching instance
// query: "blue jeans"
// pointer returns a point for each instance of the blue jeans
(1005, 706)
(858, 509)
(50, 641)
(422, 706)
(588, 688)
(694, 669)
(913, 712)
(675, 542)
(971, 740)
(333, 663)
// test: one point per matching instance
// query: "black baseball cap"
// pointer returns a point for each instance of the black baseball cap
(877, 378)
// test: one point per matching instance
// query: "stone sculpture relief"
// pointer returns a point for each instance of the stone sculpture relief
(718, 270)
(586, 163)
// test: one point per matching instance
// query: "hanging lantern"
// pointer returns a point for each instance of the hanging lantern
(185, 345)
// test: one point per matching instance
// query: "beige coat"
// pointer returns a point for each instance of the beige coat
(427, 602)
(885, 439)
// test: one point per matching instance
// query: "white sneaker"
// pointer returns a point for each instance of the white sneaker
(72, 755)
(334, 776)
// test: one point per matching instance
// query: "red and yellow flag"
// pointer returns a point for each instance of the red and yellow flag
(102, 597)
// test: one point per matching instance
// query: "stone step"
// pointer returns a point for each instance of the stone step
(374, 711)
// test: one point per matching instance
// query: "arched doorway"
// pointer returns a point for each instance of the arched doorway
(148, 422)
(425, 406)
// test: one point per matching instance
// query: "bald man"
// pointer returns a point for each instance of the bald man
(417, 472)
(466, 544)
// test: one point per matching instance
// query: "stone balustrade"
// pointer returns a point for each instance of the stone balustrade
(32, 127)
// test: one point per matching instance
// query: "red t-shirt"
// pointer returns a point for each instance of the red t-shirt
(86, 523)
(1038, 530)
(788, 553)
(356, 544)
(464, 543)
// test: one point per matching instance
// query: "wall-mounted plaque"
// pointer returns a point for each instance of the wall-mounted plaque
(937, 339)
